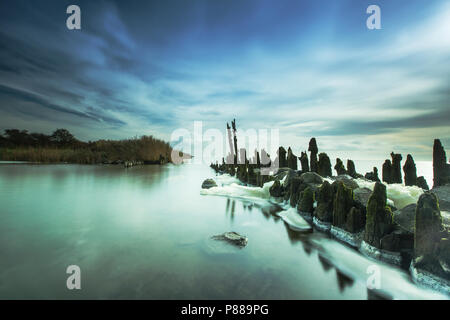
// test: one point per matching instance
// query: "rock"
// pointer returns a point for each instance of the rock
(208, 183)
(390, 242)
(311, 178)
(405, 217)
(342, 204)
(347, 181)
(443, 194)
(291, 159)
(386, 172)
(443, 254)
(276, 190)
(422, 183)
(351, 170)
(304, 162)
(372, 176)
(396, 172)
(282, 162)
(409, 168)
(324, 165)
(290, 174)
(361, 196)
(314, 150)
(398, 241)
(428, 226)
(339, 167)
(379, 217)
(325, 197)
(233, 238)
(441, 169)
(306, 201)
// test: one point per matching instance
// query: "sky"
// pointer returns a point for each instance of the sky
(307, 68)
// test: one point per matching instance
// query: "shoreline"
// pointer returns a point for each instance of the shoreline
(396, 219)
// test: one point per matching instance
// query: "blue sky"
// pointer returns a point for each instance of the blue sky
(307, 68)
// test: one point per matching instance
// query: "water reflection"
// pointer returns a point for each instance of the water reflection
(343, 280)
(146, 233)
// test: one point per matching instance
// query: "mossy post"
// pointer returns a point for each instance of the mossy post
(386, 171)
(325, 197)
(396, 171)
(306, 202)
(291, 159)
(428, 225)
(343, 202)
(304, 162)
(324, 165)
(282, 162)
(314, 150)
(410, 171)
(233, 125)
(379, 216)
(441, 169)
(339, 167)
(351, 170)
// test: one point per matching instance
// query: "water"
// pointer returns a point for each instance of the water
(144, 233)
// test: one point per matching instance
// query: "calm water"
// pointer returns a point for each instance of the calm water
(144, 232)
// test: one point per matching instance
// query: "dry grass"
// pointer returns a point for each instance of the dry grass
(145, 148)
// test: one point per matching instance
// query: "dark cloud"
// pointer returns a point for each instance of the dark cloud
(28, 100)
(432, 119)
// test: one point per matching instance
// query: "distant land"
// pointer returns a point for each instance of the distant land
(62, 147)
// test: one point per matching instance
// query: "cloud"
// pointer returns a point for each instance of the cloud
(151, 67)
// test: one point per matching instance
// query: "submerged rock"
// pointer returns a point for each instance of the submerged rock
(409, 168)
(208, 183)
(379, 217)
(233, 238)
(339, 167)
(304, 162)
(441, 169)
(396, 172)
(324, 165)
(314, 150)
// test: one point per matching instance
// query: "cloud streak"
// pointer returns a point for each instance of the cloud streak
(309, 68)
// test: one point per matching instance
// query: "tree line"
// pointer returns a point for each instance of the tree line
(62, 146)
